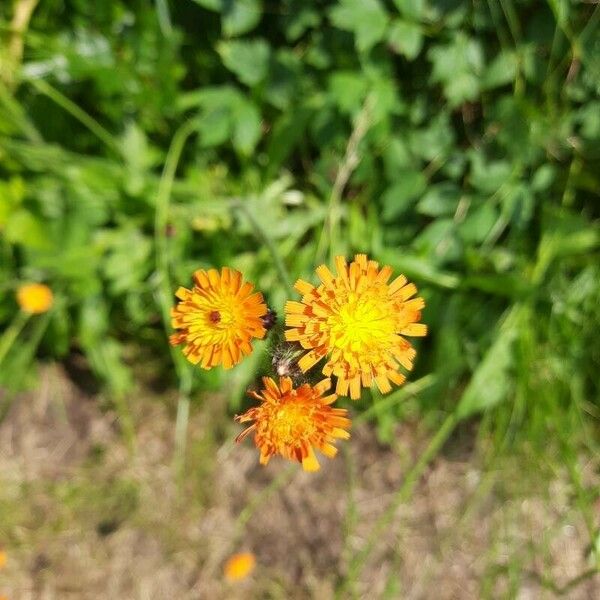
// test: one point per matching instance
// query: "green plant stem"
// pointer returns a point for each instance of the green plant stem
(273, 487)
(161, 218)
(69, 106)
(349, 164)
(33, 341)
(261, 234)
(402, 495)
(10, 335)
(410, 389)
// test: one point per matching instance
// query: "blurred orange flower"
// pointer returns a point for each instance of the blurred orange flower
(358, 320)
(34, 298)
(218, 318)
(239, 566)
(3, 558)
(289, 422)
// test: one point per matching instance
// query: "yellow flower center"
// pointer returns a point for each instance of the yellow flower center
(290, 422)
(363, 323)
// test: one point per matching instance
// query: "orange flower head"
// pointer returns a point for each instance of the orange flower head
(218, 318)
(35, 298)
(2, 558)
(239, 566)
(290, 422)
(359, 321)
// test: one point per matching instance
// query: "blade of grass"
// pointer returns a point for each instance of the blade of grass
(76, 112)
(261, 235)
(164, 291)
(402, 495)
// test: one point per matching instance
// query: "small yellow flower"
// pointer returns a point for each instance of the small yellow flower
(290, 422)
(218, 318)
(239, 566)
(35, 298)
(3, 558)
(359, 321)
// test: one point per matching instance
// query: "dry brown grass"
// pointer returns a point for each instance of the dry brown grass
(82, 518)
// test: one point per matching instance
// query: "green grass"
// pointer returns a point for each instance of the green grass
(457, 142)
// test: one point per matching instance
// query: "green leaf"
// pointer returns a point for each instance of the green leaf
(300, 20)
(22, 227)
(500, 71)
(492, 380)
(348, 90)
(214, 126)
(240, 16)
(489, 176)
(215, 5)
(400, 196)
(412, 9)
(478, 223)
(367, 19)
(543, 178)
(458, 66)
(247, 127)
(248, 59)
(406, 38)
(440, 200)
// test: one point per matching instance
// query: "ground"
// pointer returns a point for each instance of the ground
(83, 516)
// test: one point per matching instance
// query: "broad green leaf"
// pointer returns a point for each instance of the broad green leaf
(402, 194)
(411, 9)
(240, 16)
(440, 200)
(23, 227)
(406, 38)
(298, 21)
(478, 223)
(500, 71)
(489, 176)
(214, 126)
(248, 59)
(347, 90)
(367, 19)
(458, 65)
(492, 381)
(247, 127)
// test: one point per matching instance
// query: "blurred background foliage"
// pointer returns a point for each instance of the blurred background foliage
(457, 141)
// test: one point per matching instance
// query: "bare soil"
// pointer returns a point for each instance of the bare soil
(84, 517)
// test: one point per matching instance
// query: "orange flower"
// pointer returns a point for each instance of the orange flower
(291, 421)
(2, 558)
(358, 320)
(218, 318)
(239, 566)
(35, 298)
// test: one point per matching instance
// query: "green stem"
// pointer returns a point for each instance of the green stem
(402, 495)
(261, 234)
(11, 334)
(259, 498)
(161, 218)
(69, 106)
(410, 389)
